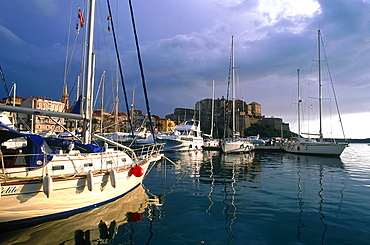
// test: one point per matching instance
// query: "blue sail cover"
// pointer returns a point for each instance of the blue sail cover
(64, 144)
(36, 148)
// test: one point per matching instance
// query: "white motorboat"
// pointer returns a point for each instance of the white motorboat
(185, 137)
(142, 136)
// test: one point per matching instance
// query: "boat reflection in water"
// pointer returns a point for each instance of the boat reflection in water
(96, 226)
(326, 169)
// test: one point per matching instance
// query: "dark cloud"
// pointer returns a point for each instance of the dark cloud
(186, 44)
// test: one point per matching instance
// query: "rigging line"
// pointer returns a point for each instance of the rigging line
(102, 77)
(332, 86)
(141, 70)
(226, 106)
(306, 110)
(68, 63)
(308, 50)
(68, 38)
(120, 69)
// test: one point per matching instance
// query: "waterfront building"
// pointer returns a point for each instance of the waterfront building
(37, 124)
(164, 125)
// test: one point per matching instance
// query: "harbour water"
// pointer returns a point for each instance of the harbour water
(205, 197)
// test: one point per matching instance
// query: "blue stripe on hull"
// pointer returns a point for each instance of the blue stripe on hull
(14, 225)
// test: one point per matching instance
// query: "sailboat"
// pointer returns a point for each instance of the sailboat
(45, 179)
(209, 143)
(309, 145)
(234, 145)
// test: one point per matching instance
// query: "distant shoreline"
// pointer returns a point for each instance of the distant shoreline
(353, 140)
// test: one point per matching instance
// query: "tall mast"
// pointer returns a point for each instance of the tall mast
(89, 74)
(213, 106)
(102, 102)
(320, 85)
(133, 106)
(116, 101)
(299, 106)
(232, 82)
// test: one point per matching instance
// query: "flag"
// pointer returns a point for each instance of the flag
(80, 16)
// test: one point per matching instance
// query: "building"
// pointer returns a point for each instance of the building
(164, 125)
(10, 101)
(181, 115)
(37, 124)
(245, 116)
(255, 110)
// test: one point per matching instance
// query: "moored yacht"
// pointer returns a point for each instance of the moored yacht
(48, 178)
(185, 137)
(309, 145)
(234, 144)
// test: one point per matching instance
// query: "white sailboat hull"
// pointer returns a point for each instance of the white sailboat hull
(24, 199)
(63, 231)
(236, 146)
(316, 148)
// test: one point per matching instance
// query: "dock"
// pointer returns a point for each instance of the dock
(268, 148)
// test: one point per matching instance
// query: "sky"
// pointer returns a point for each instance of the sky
(185, 44)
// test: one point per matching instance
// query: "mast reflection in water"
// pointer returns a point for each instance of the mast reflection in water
(264, 198)
(255, 198)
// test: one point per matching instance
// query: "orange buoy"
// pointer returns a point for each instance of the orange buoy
(137, 171)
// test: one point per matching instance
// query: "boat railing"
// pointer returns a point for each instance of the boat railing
(148, 150)
(141, 153)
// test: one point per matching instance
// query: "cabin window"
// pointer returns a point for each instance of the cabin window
(88, 164)
(61, 167)
(109, 162)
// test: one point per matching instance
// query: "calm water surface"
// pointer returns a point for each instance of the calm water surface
(210, 198)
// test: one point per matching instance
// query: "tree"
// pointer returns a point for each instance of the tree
(267, 131)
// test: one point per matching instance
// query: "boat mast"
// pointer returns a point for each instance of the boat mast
(213, 106)
(89, 74)
(133, 106)
(116, 101)
(102, 103)
(320, 85)
(232, 83)
(299, 106)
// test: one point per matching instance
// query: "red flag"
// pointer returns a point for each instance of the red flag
(80, 16)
